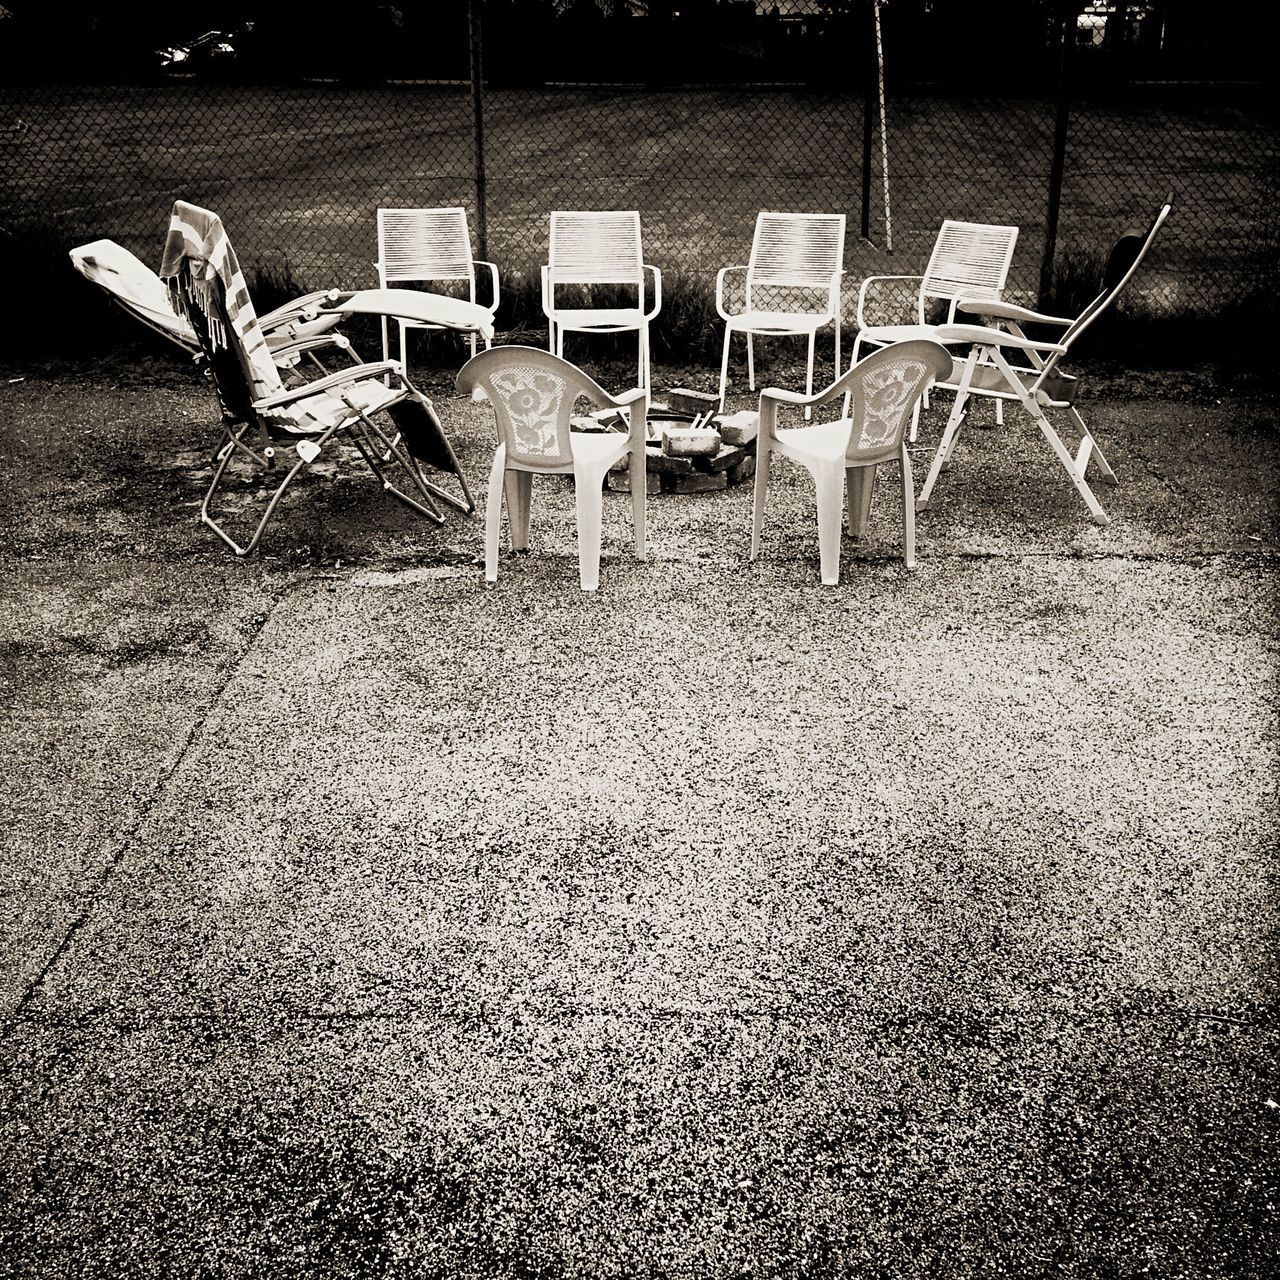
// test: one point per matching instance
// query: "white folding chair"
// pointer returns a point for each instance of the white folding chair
(1003, 363)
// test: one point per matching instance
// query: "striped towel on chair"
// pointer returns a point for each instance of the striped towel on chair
(197, 239)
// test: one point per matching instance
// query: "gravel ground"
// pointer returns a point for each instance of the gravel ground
(360, 921)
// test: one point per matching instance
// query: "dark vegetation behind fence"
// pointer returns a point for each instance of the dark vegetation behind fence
(1072, 123)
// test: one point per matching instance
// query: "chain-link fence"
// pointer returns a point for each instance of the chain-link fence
(1070, 120)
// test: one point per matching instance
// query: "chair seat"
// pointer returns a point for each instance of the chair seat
(822, 442)
(320, 412)
(778, 321)
(887, 333)
(1057, 389)
(600, 318)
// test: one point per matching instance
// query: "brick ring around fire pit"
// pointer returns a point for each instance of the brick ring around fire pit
(691, 449)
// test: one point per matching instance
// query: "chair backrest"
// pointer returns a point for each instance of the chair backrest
(1124, 259)
(595, 248)
(424, 244)
(969, 260)
(533, 395)
(207, 288)
(793, 254)
(883, 390)
(135, 287)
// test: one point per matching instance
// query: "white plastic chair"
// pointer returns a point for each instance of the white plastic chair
(880, 394)
(969, 260)
(1036, 383)
(792, 285)
(420, 246)
(589, 249)
(533, 394)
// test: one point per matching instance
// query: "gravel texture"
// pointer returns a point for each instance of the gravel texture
(363, 921)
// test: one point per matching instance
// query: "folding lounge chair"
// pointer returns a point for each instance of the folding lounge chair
(1037, 383)
(207, 290)
(133, 286)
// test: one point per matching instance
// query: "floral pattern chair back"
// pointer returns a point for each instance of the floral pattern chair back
(533, 395)
(884, 389)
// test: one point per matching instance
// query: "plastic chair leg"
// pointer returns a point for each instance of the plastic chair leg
(493, 515)
(837, 340)
(588, 485)
(860, 483)
(908, 512)
(751, 362)
(518, 486)
(760, 494)
(830, 496)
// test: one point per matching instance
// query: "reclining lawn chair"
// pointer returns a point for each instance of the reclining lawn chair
(207, 290)
(134, 287)
(1036, 384)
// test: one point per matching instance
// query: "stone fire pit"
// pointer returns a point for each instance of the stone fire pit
(691, 449)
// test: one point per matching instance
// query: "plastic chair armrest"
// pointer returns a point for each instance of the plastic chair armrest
(862, 294)
(357, 373)
(995, 309)
(636, 403)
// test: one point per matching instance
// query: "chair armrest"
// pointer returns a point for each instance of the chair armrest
(863, 290)
(657, 291)
(720, 277)
(636, 403)
(995, 309)
(299, 346)
(983, 337)
(419, 305)
(308, 307)
(493, 277)
(357, 373)
(548, 292)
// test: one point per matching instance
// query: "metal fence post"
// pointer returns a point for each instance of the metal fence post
(474, 29)
(870, 93)
(1061, 124)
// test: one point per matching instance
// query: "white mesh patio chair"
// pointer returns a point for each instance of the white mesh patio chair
(428, 246)
(591, 250)
(1003, 363)
(533, 394)
(206, 288)
(969, 259)
(879, 395)
(792, 286)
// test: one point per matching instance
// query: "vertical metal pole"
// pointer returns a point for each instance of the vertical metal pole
(869, 92)
(477, 105)
(884, 132)
(1060, 126)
